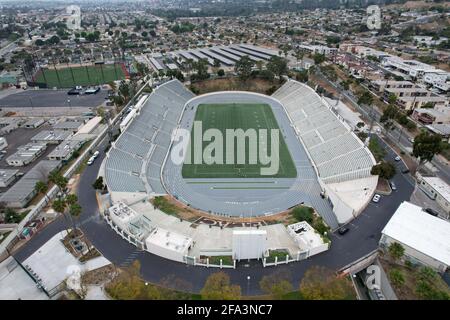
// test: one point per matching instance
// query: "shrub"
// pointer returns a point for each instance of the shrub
(303, 214)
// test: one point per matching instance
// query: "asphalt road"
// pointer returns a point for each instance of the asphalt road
(362, 238)
(45, 98)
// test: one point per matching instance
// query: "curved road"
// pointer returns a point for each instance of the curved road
(362, 238)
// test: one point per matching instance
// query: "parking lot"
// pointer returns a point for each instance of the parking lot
(52, 99)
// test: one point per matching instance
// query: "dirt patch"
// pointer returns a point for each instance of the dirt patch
(383, 186)
(234, 84)
(190, 214)
(99, 276)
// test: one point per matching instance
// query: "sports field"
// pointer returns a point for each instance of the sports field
(81, 76)
(239, 116)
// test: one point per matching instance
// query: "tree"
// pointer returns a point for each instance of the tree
(201, 66)
(71, 199)
(98, 184)
(392, 99)
(41, 187)
(59, 205)
(320, 283)
(11, 216)
(396, 250)
(426, 145)
(302, 76)
(428, 285)
(243, 68)
(396, 277)
(365, 98)
(278, 66)
(277, 284)
(385, 170)
(318, 58)
(220, 72)
(56, 178)
(75, 210)
(124, 90)
(218, 287)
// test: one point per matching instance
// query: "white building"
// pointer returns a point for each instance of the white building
(307, 238)
(437, 189)
(426, 238)
(249, 244)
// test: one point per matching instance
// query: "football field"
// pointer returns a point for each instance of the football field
(239, 116)
(81, 76)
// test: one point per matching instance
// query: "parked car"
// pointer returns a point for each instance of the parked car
(393, 186)
(397, 158)
(90, 161)
(376, 198)
(432, 212)
(343, 230)
(405, 170)
(92, 90)
(73, 92)
(95, 155)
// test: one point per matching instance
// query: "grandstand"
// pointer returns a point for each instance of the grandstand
(134, 162)
(328, 158)
(338, 154)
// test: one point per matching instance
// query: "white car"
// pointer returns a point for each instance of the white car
(397, 158)
(95, 155)
(376, 198)
(90, 161)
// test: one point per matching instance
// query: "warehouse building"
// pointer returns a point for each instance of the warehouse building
(426, 238)
(20, 194)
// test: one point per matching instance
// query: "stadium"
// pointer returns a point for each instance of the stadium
(322, 165)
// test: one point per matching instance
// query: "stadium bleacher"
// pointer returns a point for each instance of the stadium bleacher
(143, 145)
(336, 152)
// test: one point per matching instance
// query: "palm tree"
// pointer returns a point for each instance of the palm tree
(71, 199)
(56, 178)
(60, 205)
(41, 188)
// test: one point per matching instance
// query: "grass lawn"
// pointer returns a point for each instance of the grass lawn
(81, 76)
(239, 116)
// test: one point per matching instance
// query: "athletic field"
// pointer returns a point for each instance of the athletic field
(81, 76)
(238, 116)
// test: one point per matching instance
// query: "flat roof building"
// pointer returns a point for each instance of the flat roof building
(426, 238)
(7, 176)
(68, 125)
(437, 189)
(23, 191)
(51, 136)
(64, 150)
(26, 154)
(33, 123)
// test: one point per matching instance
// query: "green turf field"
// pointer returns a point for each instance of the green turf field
(80, 76)
(238, 116)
